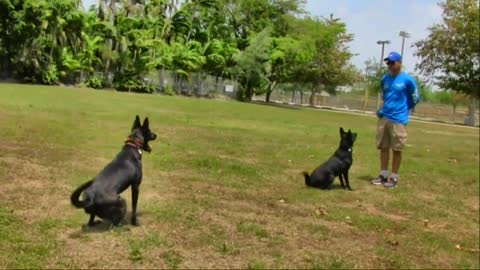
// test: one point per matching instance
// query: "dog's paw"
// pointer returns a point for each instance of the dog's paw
(93, 224)
(135, 222)
(349, 188)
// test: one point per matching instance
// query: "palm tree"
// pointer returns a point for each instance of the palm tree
(88, 56)
(70, 65)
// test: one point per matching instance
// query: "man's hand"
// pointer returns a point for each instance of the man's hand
(379, 114)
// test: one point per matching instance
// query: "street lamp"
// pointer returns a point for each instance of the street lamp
(404, 35)
(381, 42)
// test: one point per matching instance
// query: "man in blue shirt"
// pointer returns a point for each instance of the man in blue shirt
(400, 95)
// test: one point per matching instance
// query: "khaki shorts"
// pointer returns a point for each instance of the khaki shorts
(391, 135)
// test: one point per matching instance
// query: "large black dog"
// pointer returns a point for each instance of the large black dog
(101, 195)
(338, 165)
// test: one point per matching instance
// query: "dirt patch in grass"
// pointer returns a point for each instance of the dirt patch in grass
(32, 189)
(472, 203)
(275, 228)
(371, 209)
(105, 249)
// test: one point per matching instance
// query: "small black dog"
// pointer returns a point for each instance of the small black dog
(102, 194)
(338, 165)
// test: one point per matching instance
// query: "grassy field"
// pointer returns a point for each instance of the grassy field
(222, 187)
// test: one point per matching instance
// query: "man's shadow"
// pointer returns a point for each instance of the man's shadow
(366, 178)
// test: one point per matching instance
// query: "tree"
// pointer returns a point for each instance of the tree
(219, 57)
(8, 40)
(326, 55)
(70, 65)
(261, 43)
(253, 64)
(88, 56)
(451, 52)
(373, 72)
(283, 60)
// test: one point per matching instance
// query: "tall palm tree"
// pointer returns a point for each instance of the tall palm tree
(88, 56)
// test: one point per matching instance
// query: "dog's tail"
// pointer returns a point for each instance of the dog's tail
(307, 179)
(75, 198)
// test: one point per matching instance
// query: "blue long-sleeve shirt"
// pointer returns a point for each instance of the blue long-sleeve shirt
(400, 95)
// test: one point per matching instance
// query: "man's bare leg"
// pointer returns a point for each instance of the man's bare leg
(384, 158)
(397, 160)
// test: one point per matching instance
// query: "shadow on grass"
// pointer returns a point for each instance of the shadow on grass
(366, 178)
(104, 226)
(100, 226)
(333, 188)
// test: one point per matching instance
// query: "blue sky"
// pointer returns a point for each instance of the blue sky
(371, 20)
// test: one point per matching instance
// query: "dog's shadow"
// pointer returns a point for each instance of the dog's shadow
(335, 187)
(104, 226)
(100, 226)
(332, 188)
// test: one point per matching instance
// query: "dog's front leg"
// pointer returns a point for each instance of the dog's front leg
(91, 222)
(347, 180)
(341, 180)
(135, 190)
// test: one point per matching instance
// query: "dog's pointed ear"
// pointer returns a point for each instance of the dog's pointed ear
(342, 132)
(136, 123)
(354, 137)
(146, 123)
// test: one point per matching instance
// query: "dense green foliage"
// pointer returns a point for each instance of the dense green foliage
(259, 43)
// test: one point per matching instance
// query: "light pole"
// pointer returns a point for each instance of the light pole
(404, 35)
(381, 42)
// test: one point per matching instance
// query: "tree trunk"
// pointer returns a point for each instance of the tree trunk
(267, 99)
(109, 40)
(81, 76)
(365, 100)
(293, 95)
(250, 93)
(454, 112)
(312, 98)
(270, 89)
(301, 97)
(470, 119)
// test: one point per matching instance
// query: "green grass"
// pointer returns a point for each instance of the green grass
(138, 247)
(23, 247)
(253, 229)
(222, 187)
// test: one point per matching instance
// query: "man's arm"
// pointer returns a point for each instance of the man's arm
(413, 94)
